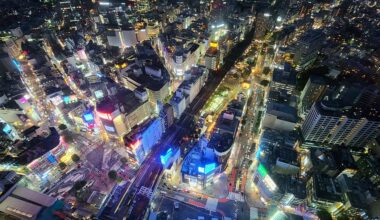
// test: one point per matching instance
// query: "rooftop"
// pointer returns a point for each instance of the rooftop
(124, 100)
(150, 82)
(287, 155)
(30, 150)
(227, 123)
(221, 142)
(285, 76)
(282, 111)
(326, 188)
(198, 157)
(289, 184)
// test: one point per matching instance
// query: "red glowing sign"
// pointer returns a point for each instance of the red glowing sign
(106, 116)
(135, 145)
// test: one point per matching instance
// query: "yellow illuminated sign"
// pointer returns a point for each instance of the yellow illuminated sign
(214, 44)
(121, 66)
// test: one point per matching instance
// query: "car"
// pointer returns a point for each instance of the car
(176, 205)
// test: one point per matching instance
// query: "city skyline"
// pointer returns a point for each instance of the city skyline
(211, 109)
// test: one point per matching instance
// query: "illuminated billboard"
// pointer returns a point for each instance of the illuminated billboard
(70, 99)
(208, 168)
(24, 99)
(88, 117)
(7, 129)
(271, 185)
(135, 145)
(262, 170)
(164, 158)
(17, 65)
(106, 116)
(99, 94)
(109, 129)
(51, 158)
(214, 44)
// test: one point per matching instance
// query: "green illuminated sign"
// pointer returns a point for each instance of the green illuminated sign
(262, 170)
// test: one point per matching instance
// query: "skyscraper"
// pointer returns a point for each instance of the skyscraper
(312, 92)
(333, 125)
(307, 48)
(70, 13)
(142, 5)
(263, 24)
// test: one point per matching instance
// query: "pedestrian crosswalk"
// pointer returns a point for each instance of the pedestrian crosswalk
(211, 204)
(235, 196)
(145, 191)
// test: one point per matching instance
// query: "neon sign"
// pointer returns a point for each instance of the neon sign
(17, 64)
(164, 158)
(70, 99)
(135, 145)
(52, 159)
(207, 169)
(262, 170)
(7, 129)
(23, 100)
(88, 117)
(104, 116)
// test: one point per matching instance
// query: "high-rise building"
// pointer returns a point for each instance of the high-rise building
(142, 5)
(307, 48)
(70, 14)
(121, 112)
(280, 117)
(327, 124)
(284, 79)
(263, 25)
(23, 203)
(212, 59)
(122, 38)
(141, 140)
(312, 92)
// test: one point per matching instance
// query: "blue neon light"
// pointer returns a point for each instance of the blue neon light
(210, 167)
(88, 117)
(207, 169)
(7, 129)
(66, 99)
(164, 158)
(258, 153)
(17, 64)
(51, 158)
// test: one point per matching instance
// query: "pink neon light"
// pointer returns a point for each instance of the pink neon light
(104, 116)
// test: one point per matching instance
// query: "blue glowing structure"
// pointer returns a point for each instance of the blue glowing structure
(17, 64)
(210, 167)
(51, 158)
(207, 169)
(258, 153)
(7, 129)
(164, 158)
(66, 99)
(88, 117)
